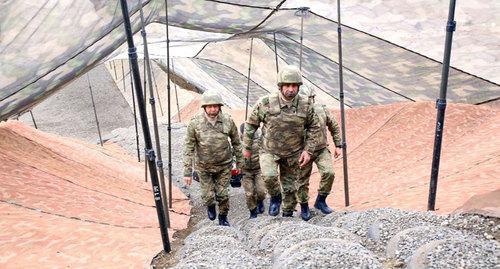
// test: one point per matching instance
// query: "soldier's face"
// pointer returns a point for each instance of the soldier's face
(212, 110)
(289, 91)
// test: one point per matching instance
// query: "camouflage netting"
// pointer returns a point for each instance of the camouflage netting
(46, 44)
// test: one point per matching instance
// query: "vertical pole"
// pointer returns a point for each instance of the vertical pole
(95, 111)
(159, 162)
(144, 120)
(302, 12)
(114, 69)
(176, 95)
(135, 113)
(169, 128)
(123, 77)
(275, 53)
(157, 93)
(342, 110)
(248, 81)
(33, 119)
(441, 107)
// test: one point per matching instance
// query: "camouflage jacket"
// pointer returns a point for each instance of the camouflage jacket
(253, 162)
(283, 126)
(211, 143)
(327, 121)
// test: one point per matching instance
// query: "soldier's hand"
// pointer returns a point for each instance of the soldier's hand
(304, 158)
(337, 152)
(188, 180)
(247, 154)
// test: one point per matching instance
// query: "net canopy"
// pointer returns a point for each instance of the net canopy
(391, 49)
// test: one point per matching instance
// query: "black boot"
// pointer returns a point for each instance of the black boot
(305, 214)
(223, 220)
(274, 206)
(321, 204)
(288, 214)
(260, 207)
(253, 213)
(211, 212)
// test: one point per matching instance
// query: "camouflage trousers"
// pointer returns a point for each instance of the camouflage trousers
(281, 173)
(214, 182)
(323, 160)
(255, 190)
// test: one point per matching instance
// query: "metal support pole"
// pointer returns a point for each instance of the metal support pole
(95, 111)
(123, 77)
(275, 53)
(176, 95)
(342, 110)
(145, 128)
(248, 81)
(441, 107)
(33, 119)
(169, 124)
(157, 93)
(135, 113)
(302, 13)
(114, 69)
(159, 162)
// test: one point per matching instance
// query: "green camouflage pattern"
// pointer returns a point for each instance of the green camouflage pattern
(211, 98)
(327, 122)
(214, 185)
(253, 163)
(208, 145)
(46, 44)
(323, 160)
(289, 75)
(255, 189)
(280, 176)
(283, 126)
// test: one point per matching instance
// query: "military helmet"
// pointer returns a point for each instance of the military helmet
(289, 74)
(309, 92)
(211, 98)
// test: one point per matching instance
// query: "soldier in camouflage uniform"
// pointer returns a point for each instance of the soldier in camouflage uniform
(289, 130)
(321, 157)
(255, 190)
(208, 136)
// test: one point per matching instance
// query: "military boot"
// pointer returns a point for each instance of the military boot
(211, 212)
(274, 206)
(321, 204)
(288, 214)
(223, 220)
(253, 213)
(260, 207)
(305, 214)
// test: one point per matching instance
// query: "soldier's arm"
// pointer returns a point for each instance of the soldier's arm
(313, 131)
(333, 127)
(251, 125)
(236, 143)
(189, 149)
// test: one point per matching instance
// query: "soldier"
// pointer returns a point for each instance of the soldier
(207, 136)
(321, 157)
(289, 130)
(255, 190)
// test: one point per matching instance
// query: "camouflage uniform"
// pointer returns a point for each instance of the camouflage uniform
(214, 156)
(283, 141)
(255, 190)
(321, 156)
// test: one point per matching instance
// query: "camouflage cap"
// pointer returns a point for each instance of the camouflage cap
(289, 74)
(211, 98)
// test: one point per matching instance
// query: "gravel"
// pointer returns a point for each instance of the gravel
(209, 244)
(274, 236)
(457, 253)
(228, 232)
(404, 243)
(315, 232)
(229, 257)
(327, 253)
